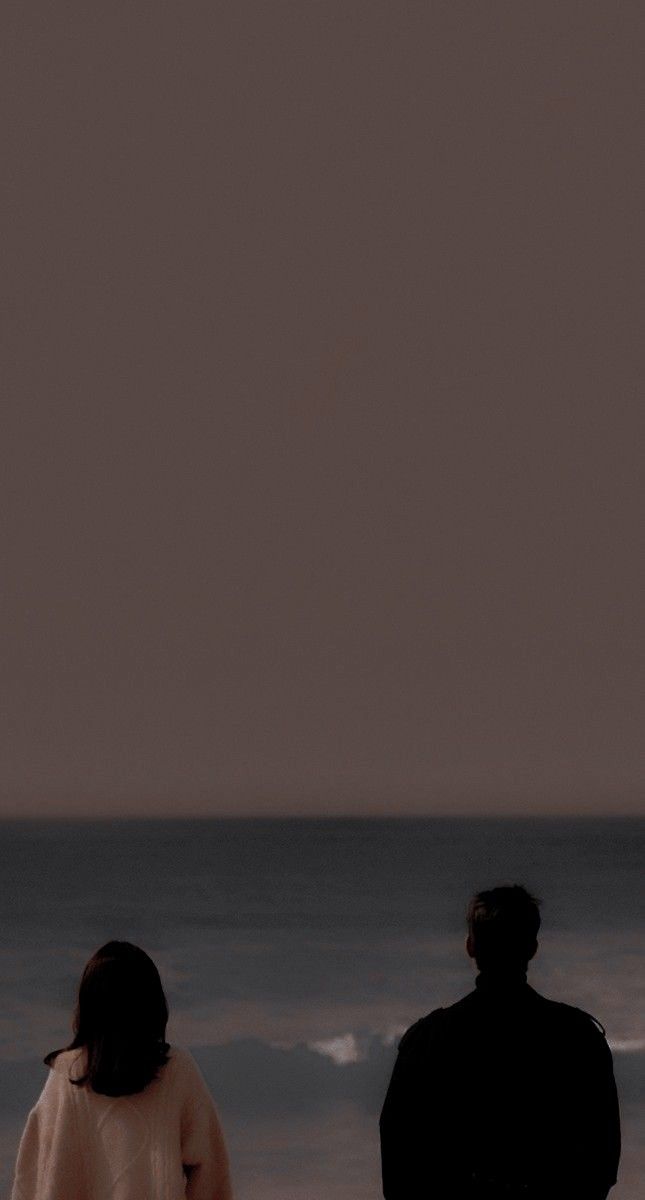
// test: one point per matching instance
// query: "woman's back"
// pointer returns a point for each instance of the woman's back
(81, 1145)
(123, 1115)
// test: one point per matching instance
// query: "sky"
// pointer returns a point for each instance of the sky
(322, 443)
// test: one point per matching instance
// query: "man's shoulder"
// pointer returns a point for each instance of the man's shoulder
(572, 1020)
(566, 1017)
(422, 1030)
(440, 1022)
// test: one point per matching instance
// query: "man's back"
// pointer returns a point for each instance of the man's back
(505, 1093)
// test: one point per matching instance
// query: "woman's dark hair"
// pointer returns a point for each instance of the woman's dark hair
(120, 1021)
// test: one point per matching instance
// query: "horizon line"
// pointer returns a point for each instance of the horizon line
(543, 815)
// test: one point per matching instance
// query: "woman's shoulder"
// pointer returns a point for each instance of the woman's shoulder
(57, 1089)
(181, 1061)
(186, 1072)
(69, 1063)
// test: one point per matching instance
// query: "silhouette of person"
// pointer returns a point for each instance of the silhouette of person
(505, 1094)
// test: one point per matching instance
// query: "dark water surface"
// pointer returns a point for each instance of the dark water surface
(294, 952)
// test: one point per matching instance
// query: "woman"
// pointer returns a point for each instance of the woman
(122, 1115)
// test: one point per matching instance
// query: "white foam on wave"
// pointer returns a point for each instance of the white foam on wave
(342, 1050)
(346, 1048)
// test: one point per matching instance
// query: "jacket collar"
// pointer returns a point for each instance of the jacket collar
(502, 983)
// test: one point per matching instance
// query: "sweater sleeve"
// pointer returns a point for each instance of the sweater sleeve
(203, 1149)
(47, 1167)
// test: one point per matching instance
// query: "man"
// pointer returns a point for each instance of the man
(505, 1095)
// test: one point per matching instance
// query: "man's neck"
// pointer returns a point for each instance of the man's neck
(501, 980)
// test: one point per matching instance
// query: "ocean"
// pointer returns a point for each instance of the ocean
(295, 952)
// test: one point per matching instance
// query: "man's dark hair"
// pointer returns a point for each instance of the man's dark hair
(503, 925)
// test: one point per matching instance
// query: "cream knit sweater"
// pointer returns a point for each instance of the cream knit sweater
(164, 1143)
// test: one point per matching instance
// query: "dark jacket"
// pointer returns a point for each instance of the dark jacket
(504, 1094)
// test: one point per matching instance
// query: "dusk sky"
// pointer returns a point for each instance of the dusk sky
(323, 442)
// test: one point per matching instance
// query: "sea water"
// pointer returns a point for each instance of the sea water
(294, 953)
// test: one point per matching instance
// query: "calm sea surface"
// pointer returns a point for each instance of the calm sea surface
(294, 953)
